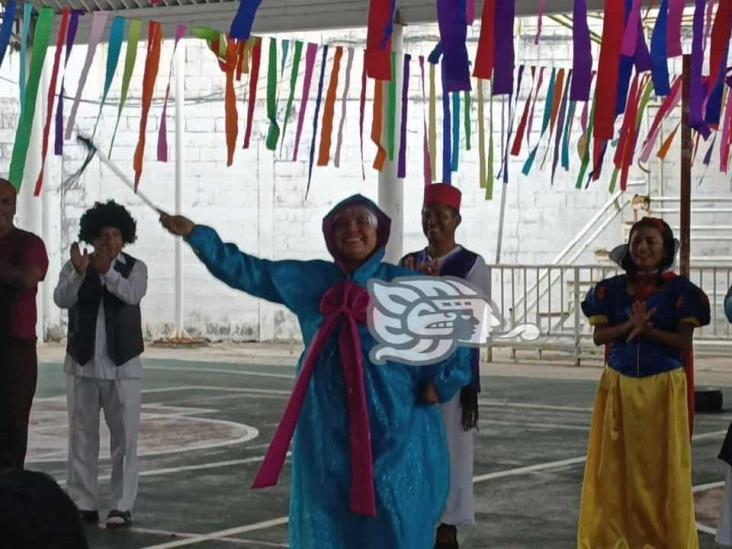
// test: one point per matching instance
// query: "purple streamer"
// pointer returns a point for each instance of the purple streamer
(696, 84)
(582, 60)
(643, 61)
(504, 54)
(315, 118)
(451, 18)
(58, 143)
(659, 52)
(402, 165)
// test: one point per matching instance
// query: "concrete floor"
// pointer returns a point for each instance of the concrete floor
(207, 423)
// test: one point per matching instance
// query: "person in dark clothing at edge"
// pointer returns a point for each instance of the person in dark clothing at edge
(23, 264)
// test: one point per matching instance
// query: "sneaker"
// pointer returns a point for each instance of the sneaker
(89, 516)
(117, 518)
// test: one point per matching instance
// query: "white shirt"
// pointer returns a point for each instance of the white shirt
(131, 290)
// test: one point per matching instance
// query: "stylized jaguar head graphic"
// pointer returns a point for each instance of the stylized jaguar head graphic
(420, 320)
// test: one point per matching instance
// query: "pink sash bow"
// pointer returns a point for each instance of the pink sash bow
(346, 303)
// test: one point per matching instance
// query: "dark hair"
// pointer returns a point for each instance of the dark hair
(35, 513)
(669, 244)
(109, 214)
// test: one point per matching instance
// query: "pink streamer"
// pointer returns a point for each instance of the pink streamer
(653, 136)
(539, 20)
(310, 54)
(99, 21)
(725, 144)
(675, 11)
(180, 31)
(630, 38)
(470, 11)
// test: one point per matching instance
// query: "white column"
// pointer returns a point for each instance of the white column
(391, 188)
(180, 125)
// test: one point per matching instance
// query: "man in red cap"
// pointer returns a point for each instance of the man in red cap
(444, 257)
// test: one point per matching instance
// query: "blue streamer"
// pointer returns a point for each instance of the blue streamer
(7, 29)
(241, 26)
(315, 118)
(659, 49)
(455, 131)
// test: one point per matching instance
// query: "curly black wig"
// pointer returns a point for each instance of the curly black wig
(109, 214)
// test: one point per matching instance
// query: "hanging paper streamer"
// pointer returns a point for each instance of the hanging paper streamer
(315, 118)
(133, 38)
(512, 106)
(608, 72)
(489, 178)
(361, 116)
(241, 26)
(22, 137)
(481, 134)
(708, 22)
(426, 160)
(285, 50)
(670, 103)
(24, 33)
(582, 53)
(378, 51)
(663, 151)
(470, 11)
(59, 123)
(485, 55)
(451, 19)
(152, 63)
(376, 122)
(329, 112)
(630, 37)
(344, 105)
(466, 119)
(584, 146)
(718, 53)
(63, 29)
(568, 124)
(310, 54)
(99, 21)
(659, 51)
(556, 104)
(539, 18)
(625, 132)
(252, 99)
(391, 112)
(724, 146)
(274, 130)
(446, 128)
(116, 35)
(296, 57)
(696, 84)
(516, 149)
(455, 154)
(714, 105)
(533, 105)
(433, 120)
(503, 78)
(231, 114)
(560, 125)
(7, 29)
(675, 13)
(545, 123)
(180, 32)
(402, 162)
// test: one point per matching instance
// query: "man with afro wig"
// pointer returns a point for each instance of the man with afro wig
(102, 291)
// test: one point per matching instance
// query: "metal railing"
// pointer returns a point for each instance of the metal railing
(549, 296)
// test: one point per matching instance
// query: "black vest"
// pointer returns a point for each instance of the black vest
(123, 322)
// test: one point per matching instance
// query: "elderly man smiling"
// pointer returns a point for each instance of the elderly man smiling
(370, 464)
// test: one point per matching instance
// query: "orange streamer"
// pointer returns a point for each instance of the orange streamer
(330, 99)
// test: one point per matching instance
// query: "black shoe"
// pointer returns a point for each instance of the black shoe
(446, 537)
(91, 517)
(117, 519)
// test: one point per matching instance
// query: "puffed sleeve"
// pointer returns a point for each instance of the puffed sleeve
(693, 306)
(597, 306)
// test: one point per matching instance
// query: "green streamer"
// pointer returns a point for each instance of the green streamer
(391, 111)
(274, 130)
(293, 85)
(468, 101)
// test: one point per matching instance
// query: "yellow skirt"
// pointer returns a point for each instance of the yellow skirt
(637, 491)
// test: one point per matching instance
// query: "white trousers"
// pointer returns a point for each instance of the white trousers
(120, 400)
(460, 507)
(724, 529)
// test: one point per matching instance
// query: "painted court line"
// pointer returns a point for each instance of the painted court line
(507, 404)
(222, 533)
(290, 377)
(238, 541)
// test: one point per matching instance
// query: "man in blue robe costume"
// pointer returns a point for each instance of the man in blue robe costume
(410, 475)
